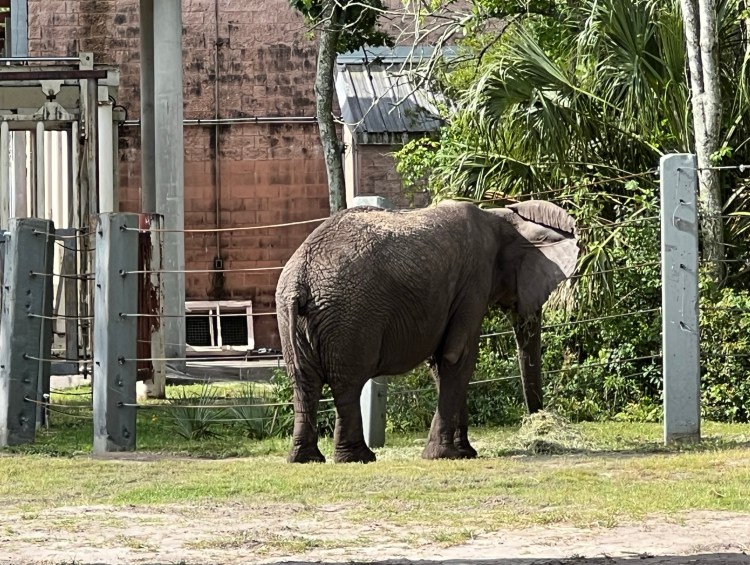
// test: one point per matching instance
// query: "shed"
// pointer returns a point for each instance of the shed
(383, 107)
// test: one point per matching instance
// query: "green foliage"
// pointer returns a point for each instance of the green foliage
(357, 21)
(725, 354)
(194, 417)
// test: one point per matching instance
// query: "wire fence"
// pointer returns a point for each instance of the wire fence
(210, 403)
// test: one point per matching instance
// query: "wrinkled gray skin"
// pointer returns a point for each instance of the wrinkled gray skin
(374, 292)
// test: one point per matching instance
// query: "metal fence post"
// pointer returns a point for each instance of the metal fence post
(373, 400)
(681, 341)
(29, 244)
(115, 335)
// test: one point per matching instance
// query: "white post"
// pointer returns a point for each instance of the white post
(681, 343)
(373, 400)
(4, 175)
(107, 197)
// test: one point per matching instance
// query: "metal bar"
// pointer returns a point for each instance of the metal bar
(4, 175)
(71, 301)
(229, 121)
(115, 337)
(45, 334)
(39, 59)
(19, 26)
(41, 203)
(14, 76)
(148, 147)
(107, 200)
(681, 343)
(19, 208)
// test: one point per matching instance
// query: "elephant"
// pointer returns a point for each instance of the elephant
(374, 292)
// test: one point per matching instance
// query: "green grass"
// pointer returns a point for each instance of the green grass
(611, 472)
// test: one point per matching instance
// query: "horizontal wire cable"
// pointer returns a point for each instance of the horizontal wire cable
(218, 230)
(190, 315)
(189, 271)
(59, 317)
(577, 322)
(81, 276)
(176, 405)
(57, 236)
(52, 360)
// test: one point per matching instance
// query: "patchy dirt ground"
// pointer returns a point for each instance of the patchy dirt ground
(238, 534)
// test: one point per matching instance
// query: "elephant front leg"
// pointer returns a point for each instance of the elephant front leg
(348, 436)
(528, 332)
(305, 437)
(448, 437)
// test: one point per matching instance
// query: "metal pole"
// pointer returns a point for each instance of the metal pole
(373, 399)
(169, 176)
(41, 201)
(4, 175)
(681, 337)
(115, 336)
(107, 199)
(148, 149)
(19, 48)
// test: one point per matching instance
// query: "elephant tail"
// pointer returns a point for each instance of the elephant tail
(299, 355)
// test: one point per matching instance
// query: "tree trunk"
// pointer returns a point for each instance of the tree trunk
(324, 92)
(701, 34)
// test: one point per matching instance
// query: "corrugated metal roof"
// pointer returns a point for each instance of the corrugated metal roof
(378, 97)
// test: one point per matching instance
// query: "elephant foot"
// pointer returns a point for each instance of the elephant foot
(435, 450)
(466, 450)
(358, 454)
(306, 455)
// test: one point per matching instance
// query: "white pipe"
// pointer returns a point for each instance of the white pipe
(4, 174)
(41, 206)
(107, 201)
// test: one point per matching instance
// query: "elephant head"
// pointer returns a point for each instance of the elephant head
(544, 255)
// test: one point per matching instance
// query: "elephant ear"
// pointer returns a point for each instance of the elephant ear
(551, 255)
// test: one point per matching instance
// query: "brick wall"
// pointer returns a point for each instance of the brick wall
(377, 174)
(266, 173)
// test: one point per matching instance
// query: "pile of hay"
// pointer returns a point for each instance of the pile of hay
(548, 433)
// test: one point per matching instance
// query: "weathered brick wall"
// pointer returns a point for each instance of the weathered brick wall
(266, 173)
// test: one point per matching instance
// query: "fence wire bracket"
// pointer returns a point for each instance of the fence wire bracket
(680, 330)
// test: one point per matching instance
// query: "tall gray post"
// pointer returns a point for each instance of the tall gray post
(169, 175)
(373, 400)
(681, 338)
(28, 246)
(148, 150)
(115, 335)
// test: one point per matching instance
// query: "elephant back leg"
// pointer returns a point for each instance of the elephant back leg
(348, 438)
(307, 392)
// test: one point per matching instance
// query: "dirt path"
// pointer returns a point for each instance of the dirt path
(236, 534)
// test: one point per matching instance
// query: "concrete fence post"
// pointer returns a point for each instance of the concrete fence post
(680, 330)
(24, 349)
(373, 400)
(115, 332)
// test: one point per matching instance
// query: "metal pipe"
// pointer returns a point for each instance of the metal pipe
(4, 174)
(13, 76)
(217, 131)
(146, 123)
(39, 59)
(248, 120)
(107, 197)
(41, 204)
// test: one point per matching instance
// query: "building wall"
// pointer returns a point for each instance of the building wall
(377, 176)
(235, 175)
